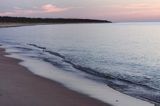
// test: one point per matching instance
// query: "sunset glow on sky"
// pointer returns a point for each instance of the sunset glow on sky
(114, 10)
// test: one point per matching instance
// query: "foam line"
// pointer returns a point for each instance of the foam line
(78, 83)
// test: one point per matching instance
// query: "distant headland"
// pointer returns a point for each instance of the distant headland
(7, 19)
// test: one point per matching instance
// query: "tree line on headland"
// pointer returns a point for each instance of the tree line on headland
(7, 19)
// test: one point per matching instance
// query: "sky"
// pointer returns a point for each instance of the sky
(112, 10)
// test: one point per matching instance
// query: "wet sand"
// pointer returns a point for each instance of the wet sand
(19, 87)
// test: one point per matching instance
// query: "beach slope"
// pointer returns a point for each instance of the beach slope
(19, 87)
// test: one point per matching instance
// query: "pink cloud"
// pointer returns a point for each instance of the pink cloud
(47, 8)
(6, 13)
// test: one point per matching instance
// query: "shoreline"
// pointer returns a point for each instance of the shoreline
(7, 25)
(52, 81)
(20, 87)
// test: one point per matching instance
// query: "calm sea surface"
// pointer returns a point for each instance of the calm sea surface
(125, 56)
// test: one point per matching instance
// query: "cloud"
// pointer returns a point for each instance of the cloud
(46, 8)
(49, 8)
(6, 13)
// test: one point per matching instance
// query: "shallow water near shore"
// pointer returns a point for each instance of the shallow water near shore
(123, 56)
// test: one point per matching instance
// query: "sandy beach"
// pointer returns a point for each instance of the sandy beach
(19, 87)
(7, 25)
(4, 25)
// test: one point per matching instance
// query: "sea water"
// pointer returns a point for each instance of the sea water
(124, 56)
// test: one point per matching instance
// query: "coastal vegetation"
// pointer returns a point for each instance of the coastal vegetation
(7, 19)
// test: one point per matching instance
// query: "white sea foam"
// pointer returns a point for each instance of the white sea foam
(78, 83)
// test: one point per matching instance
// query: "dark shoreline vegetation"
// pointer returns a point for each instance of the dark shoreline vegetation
(7, 19)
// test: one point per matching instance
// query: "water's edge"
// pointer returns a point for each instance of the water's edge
(70, 80)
